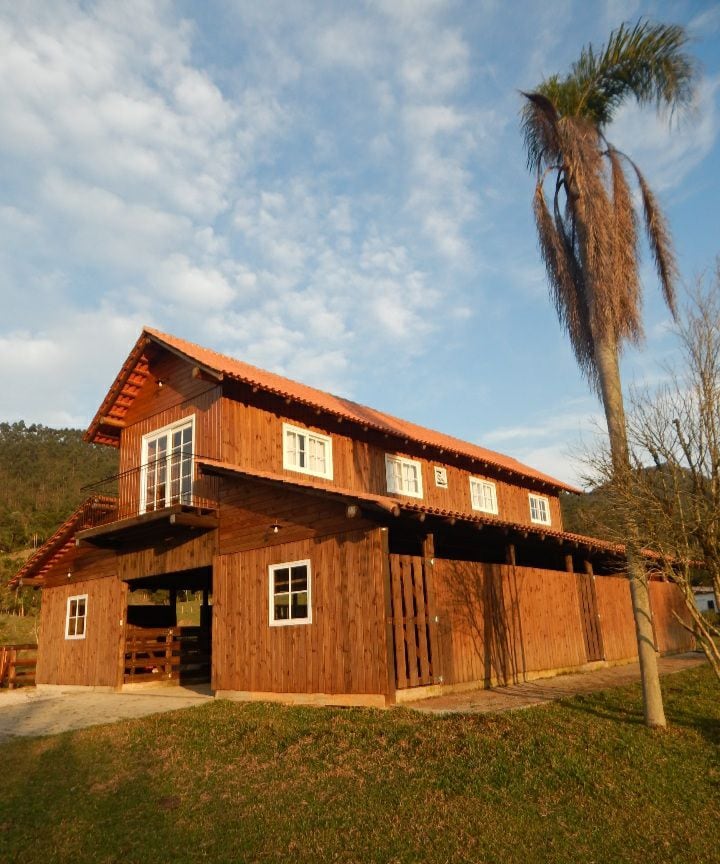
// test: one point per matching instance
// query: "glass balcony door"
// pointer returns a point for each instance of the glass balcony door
(167, 467)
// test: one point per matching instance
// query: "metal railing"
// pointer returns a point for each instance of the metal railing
(155, 486)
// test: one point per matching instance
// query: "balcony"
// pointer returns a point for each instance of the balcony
(167, 495)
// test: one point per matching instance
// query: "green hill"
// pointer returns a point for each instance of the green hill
(42, 472)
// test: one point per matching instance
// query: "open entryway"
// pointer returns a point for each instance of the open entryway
(168, 628)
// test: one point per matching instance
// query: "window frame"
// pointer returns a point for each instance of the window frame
(481, 481)
(440, 475)
(390, 459)
(156, 434)
(76, 635)
(289, 622)
(546, 500)
(308, 434)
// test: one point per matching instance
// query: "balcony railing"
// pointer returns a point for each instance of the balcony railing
(172, 482)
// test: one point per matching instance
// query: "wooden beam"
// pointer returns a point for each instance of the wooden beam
(190, 520)
(202, 373)
(107, 420)
(420, 516)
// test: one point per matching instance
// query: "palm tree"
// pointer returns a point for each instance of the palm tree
(589, 238)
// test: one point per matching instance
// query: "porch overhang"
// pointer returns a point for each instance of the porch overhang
(174, 522)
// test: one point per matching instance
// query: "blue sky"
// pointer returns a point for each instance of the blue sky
(334, 191)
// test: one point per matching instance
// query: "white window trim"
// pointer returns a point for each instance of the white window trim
(308, 433)
(483, 482)
(67, 616)
(547, 509)
(288, 622)
(156, 433)
(402, 460)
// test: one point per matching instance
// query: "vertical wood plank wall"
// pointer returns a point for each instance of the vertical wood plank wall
(667, 603)
(498, 622)
(616, 617)
(252, 437)
(90, 661)
(343, 650)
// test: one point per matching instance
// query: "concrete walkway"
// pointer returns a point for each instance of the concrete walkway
(32, 712)
(548, 689)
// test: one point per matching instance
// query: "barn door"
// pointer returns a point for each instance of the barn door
(414, 622)
(589, 616)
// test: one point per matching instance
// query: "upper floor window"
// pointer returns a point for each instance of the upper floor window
(539, 509)
(307, 452)
(483, 495)
(167, 466)
(290, 593)
(404, 476)
(75, 616)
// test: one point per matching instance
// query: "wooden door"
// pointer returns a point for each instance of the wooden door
(414, 622)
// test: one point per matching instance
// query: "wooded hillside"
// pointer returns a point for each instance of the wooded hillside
(42, 471)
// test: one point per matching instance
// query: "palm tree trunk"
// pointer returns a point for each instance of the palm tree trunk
(606, 360)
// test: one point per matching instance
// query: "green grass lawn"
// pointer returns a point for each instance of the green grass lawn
(578, 781)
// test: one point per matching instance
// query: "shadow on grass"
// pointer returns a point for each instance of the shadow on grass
(632, 715)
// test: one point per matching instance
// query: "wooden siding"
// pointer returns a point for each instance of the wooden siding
(249, 510)
(343, 650)
(498, 622)
(667, 605)
(168, 556)
(82, 563)
(94, 660)
(252, 438)
(616, 617)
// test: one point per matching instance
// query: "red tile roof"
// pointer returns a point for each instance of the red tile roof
(135, 370)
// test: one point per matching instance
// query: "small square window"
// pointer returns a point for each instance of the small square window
(403, 476)
(483, 495)
(539, 509)
(290, 593)
(76, 615)
(440, 477)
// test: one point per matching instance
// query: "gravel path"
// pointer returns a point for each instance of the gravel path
(30, 712)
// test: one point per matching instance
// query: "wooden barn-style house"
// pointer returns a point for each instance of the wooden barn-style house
(342, 555)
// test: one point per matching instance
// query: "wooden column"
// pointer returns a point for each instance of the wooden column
(391, 684)
(510, 554)
(569, 564)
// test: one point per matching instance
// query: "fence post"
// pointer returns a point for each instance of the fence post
(11, 669)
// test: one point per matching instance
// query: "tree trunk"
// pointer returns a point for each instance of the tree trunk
(607, 364)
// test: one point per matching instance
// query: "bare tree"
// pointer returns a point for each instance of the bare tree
(672, 493)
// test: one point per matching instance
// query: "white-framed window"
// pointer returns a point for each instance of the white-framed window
(404, 476)
(483, 495)
(76, 616)
(166, 477)
(539, 509)
(440, 477)
(307, 452)
(290, 593)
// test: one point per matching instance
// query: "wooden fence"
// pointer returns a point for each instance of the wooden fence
(166, 654)
(459, 621)
(17, 665)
